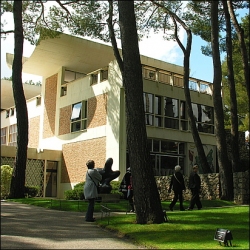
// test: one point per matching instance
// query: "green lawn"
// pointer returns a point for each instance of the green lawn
(185, 229)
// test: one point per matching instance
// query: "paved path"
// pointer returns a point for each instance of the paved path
(30, 227)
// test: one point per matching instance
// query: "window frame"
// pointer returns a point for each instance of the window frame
(78, 122)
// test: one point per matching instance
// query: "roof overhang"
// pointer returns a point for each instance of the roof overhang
(78, 54)
(7, 99)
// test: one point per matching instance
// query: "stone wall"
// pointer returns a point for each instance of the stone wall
(241, 187)
(210, 187)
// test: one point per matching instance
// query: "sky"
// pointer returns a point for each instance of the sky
(201, 67)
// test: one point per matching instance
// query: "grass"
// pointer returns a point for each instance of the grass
(185, 229)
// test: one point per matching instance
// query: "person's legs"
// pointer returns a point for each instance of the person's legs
(181, 201)
(90, 211)
(172, 204)
(198, 202)
(193, 199)
(130, 200)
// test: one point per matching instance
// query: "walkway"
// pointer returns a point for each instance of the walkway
(30, 227)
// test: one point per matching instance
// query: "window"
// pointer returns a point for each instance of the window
(158, 111)
(3, 136)
(149, 73)
(94, 79)
(64, 91)
(13, 135)
(204, 116)
(104, 75)
(164, 77)
(70, 76)
(79, 116)
(7, 113)
(184, 122)
(165, 155)
(12, 111)
(148, 107)
(38, 101)
(171, 108)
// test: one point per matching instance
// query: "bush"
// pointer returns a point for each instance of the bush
(76, 193)
(115, 187)
(31, 191)
(6, 175)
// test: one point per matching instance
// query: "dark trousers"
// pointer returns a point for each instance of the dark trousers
(129, 196)
(90, 211)
(195, 200)
(177, 196)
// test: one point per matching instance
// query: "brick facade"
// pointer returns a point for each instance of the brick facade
(97, 111)
(50, 106)
(34, 124)
(75, 156)
(64, 120)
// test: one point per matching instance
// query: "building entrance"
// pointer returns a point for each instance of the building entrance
(51, 179)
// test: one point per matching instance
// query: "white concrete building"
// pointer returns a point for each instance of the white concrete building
(79, 114)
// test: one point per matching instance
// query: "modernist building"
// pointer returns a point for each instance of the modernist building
(80, 115)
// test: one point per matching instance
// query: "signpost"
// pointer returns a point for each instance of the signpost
(223, 235)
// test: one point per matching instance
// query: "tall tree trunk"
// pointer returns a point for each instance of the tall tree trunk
(18, 176)
(233, 100)
(226, 177)
(244, 54)
(186, 51)
(146, 195)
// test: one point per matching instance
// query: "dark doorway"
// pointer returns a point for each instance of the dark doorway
(51, 179)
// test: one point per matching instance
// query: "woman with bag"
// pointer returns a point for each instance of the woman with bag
(93, 177)
(177, 182)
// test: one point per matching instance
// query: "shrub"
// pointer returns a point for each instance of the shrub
(31, 191)
(115, 187)
(76, 193)
(6, 174)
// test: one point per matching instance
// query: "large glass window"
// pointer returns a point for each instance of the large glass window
(79, 116)
(171, 113)
(204, 116)
(183, 116)
(171, 108)
(165, 155)
(158, 111)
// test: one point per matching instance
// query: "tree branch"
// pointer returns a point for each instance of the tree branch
(112, 36)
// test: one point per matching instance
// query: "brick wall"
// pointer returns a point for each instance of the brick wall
(64, 120)
(34, 124)
(97, 111)
(75, 156)
(50, 106)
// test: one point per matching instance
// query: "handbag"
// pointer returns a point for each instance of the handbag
(98, 187)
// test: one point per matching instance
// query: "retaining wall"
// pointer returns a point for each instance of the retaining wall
(210, 187)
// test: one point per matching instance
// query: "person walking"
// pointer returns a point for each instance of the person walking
(178, 185)
(93, 177)
(195, 186)
(126, 188)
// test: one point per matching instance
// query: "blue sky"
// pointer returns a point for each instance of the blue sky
(201, 66)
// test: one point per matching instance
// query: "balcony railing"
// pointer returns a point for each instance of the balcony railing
(173, 79)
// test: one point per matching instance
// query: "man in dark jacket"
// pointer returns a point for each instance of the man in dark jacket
(177, 182)
(195, 186)
(127, 190)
